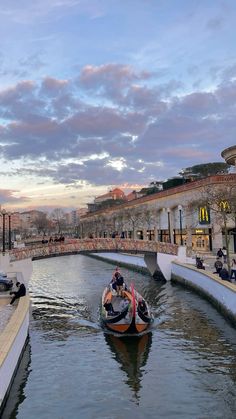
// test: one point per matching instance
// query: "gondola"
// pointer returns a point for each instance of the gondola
(129, 319)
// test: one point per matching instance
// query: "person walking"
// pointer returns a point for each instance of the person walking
(220, 253)
(224, 251)
(233, 269)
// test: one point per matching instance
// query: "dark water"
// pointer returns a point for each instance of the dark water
(184, 368)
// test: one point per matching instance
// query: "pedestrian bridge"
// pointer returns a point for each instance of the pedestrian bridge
(72, 246)
(157, 255)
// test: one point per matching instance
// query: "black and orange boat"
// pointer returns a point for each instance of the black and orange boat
(127, 314)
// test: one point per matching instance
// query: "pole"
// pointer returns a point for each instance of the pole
(9, 231)
(180, 226)
(3, 231)
(168, 213)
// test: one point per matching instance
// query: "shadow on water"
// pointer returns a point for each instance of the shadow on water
(131, 352)
(17, 394)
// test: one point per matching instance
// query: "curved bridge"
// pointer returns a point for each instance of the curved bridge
(91, 246)
(157, 255)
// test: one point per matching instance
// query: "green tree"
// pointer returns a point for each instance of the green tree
(206, 169)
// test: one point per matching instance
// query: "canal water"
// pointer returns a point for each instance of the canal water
(185, 367)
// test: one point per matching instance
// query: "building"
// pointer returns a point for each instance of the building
(178, 215)
(115, 194)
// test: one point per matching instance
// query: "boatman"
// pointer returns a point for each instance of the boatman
(19, 293)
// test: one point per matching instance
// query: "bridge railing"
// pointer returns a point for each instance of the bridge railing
(92, 245)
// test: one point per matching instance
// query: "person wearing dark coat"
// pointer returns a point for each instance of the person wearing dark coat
(224, 274)
(218, 266)
(119, 285)
(17, 294)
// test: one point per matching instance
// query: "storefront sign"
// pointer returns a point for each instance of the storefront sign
(204, 215)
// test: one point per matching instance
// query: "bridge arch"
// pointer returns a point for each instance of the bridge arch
(150, 249)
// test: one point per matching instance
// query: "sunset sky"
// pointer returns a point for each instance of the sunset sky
(102, 93)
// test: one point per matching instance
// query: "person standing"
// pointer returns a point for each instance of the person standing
(220, 253)
(233, 269)
(224, 251)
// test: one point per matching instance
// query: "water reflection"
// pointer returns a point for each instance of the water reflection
(17, 393)
(131, 352)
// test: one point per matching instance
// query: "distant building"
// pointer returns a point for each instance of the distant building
(114, 194)
(174, 214)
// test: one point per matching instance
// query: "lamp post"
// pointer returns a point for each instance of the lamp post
(9, 231)
(180, 224)
(168, 214)
(3, 230)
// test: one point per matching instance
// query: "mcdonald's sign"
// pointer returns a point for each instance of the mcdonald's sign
(224, 206)
(204, 215)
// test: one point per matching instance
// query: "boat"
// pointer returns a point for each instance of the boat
(126, 315)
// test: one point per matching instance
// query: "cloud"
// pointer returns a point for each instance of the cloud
(7, 196)
(71, 130)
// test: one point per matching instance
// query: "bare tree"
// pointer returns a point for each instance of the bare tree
(222, 203)
(41, 223)
(58, 217)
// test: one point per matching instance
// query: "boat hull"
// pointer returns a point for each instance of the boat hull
(130, 320)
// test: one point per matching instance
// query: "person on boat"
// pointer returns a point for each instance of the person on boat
(113, 284)
(109, 308)
(119, 285)
(17, 294)
(116, 273)
(142, 306)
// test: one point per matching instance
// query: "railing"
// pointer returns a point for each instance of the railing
(92, 245)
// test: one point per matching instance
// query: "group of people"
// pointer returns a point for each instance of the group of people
(118, 286)
(55, 240)
(221, 268)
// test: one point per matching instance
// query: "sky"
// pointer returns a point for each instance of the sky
(97, 94)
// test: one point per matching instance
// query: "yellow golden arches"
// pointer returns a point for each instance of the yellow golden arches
(224, 206)
(204, 215)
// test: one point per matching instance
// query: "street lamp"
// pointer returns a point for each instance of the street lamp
(9, 231)
(180, 224)
(3, 230)
(168, 214)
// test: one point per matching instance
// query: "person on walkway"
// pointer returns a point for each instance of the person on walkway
(220, 253)
(224, 251)
(218, 266)
(199, 263)
(17, 294)
(224, 274)
(233, 269)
